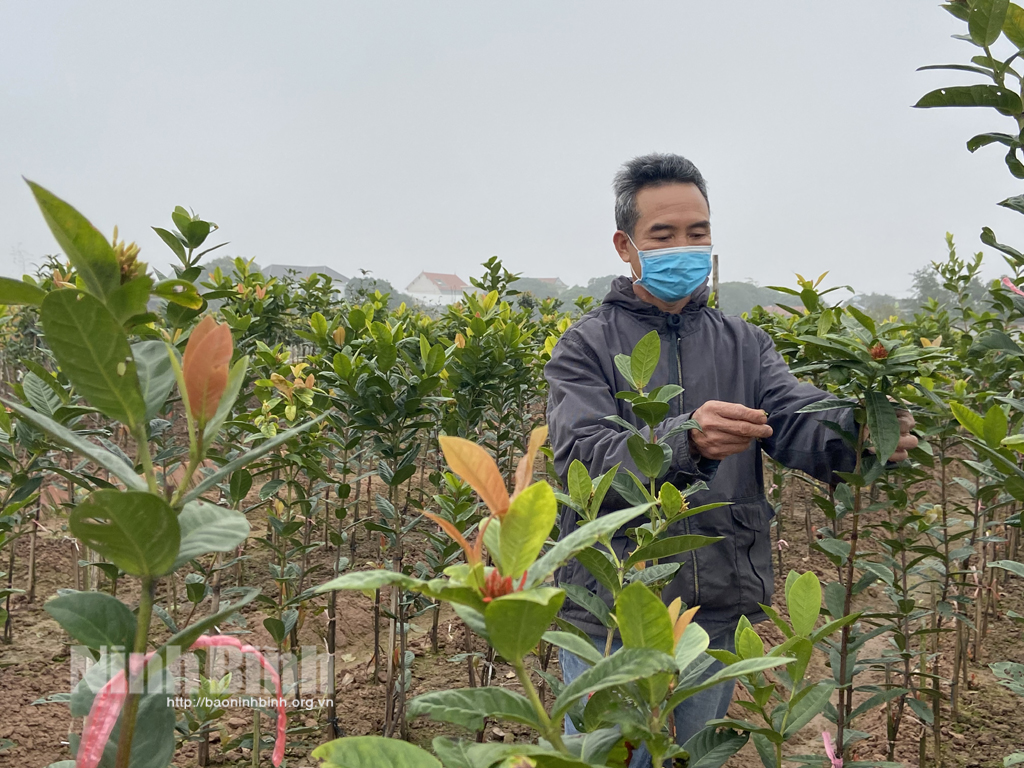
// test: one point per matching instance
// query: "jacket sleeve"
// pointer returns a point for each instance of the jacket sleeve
(579, 397)
(800, 440)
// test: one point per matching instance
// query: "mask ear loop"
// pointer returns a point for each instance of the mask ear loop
(631, 272)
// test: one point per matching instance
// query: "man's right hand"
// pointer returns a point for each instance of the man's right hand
(727, 428)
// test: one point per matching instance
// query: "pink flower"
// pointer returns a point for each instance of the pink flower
(830, 750)
(107, 705)
(1009, 284)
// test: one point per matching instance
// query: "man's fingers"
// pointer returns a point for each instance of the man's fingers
(738, 412)
(907, 443)
(745, 429)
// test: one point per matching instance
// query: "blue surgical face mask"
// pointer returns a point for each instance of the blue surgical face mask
(672, 274)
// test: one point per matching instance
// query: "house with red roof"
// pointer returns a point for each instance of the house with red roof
(436, 288)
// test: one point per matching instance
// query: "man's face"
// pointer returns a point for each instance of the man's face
(671, 215)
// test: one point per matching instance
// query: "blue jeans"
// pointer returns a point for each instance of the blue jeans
(691, 715)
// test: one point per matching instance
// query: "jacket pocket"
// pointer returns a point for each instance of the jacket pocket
(753, 563)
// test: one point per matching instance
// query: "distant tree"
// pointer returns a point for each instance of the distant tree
(927, 284)
(879, 306)
(538, 288)
(358, 288)
(226, 264)
(736, 297)
(596, 287)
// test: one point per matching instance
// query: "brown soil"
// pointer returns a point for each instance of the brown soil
(36, 664)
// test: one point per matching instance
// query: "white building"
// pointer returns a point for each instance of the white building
(436, 288)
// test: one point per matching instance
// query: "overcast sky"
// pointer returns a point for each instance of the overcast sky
(409, 136)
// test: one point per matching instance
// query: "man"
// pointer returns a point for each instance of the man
(736, 386)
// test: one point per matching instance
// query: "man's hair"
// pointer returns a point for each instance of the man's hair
(652, 170)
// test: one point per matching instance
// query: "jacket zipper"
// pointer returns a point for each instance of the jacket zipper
(693, 553)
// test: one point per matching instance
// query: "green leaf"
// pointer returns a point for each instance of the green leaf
(517, 621)
(602, 569)
(984, 139)
(804, 602)
(276, 629)
(172, 242)
(992, 340)
(1013, 26)
(373, 752)
(802, 649)
(185, 638)
(138, 532)
(968, 419)
(93, 352)
(749, 644)
(584, 536)
(94, 619)
(649, 457)
(921, 709)
(643, 619)
(730, 672)
(651, 412)
(240, 484)
(644, 359)
(827, 404)
(1002, 99)
(19, 292)
(673, 545)
(1015, 203)
(40, 395)
(863, 319)
(883, 424)
(1009, 565)
(574, 644)
(130, 299)
(665, 393)
(225, 471)
(590, 602)
(207, 528)
(65, 437)
(712, 748)
(809, 705)
(985, 21)
(623, 666)
(525, 528)
(691, 645)
(622, 362)
(364, 580)
(180, 292)
(632, 428)
(995, 426)
(87, 250)
(469, 707)
(959, 11)
(236, 378)
(156, 375)
(579, 482)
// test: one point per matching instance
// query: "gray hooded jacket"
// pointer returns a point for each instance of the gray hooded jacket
(714, 357)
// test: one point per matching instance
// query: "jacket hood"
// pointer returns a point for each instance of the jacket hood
(621, 294)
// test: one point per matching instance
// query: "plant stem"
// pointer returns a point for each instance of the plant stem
(142, 451)
(131, 707)
(550, 730)
(845, 693)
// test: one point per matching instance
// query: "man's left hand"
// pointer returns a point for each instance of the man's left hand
(908, 442)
